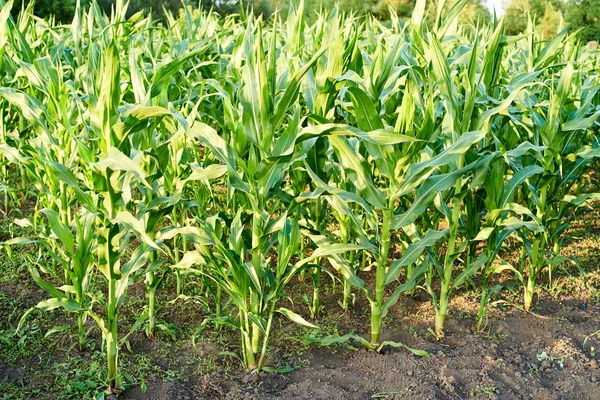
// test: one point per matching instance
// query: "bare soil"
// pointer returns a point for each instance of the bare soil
(538, 355)
(547, 354)
(505, 362)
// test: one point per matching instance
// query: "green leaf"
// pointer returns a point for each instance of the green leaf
(195, 234)
(469, 270)
(115, 160)
(416, 352)
(517, 180)
(20, 241)
(189, 259)
(62, 231)
(426, 193)
(484, 233)
(413, 252)
(334, 339)
(418, 172)
(58, 329)
(293, 86)
(358, 171)
(252, 274)
(213, 171)
(378, 136)
(292, 316)
(137, 226)
(66, 175)
(162, 75)
(367, 116)
(54, 292)
(580, 123)
(221, 150)
(68, 304)
(30, 107)
(405, 287)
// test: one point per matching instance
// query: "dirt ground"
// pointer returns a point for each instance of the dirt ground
(520, 356)
(538, 355)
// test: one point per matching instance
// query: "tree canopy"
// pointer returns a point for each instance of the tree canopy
(550, 15)
(585, 14)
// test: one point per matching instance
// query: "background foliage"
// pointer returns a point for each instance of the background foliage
(551, 15)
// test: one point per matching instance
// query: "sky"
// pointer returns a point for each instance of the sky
(495, 5)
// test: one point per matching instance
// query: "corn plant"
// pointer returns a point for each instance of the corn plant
(564, 151)
(239, 154)
(256, 161)
(109, 174)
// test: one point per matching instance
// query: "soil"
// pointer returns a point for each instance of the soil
(549, 353)
(520, 356)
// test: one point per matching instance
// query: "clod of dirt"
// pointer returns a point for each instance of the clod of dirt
(447, 383)
(545, 364)
(250, 378)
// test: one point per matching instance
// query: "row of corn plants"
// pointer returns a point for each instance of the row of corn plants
(238, 155)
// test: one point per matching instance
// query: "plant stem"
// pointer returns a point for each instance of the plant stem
(347, 295)
(528, 295)
(382, 260)
(81, 330)
(316, 272)
(442, 309)
(111, 317)
(180, 277)
(176, 255)
(256, 261)
(249, 358)
(302, 274)
(218, 305)
(151, 295)
(351, 257)
(151, 285)
(267, 334)
(531, 277)
(482, 304)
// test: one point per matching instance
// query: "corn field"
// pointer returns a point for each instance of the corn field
(237, 157)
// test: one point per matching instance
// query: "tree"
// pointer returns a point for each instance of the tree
(551, 22)
(584, 14)
(515, 16)
(158, 7)
(475, 11)
(62, 10)
(403, 8)
(546, 13)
